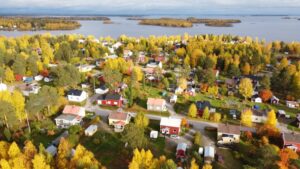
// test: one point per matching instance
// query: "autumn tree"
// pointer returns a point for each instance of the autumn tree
(265, 94)
(134, 136)
(84, 159)
(246, 69)
(197, 138)
(206, 113)
(246, 117)
(141, 120)
(182, 83)
(192, 111)
(63, 154)
(9, 75)
(18, 102)
(246, 88)
(286, 156)
(194, 165)
(271, 119)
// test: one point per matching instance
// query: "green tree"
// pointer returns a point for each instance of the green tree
(141, 120)
(134, 136)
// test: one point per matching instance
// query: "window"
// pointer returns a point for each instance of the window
(115, 103)
(108, 102)
(174, 130)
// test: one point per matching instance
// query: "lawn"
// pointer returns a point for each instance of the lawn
(109, 150)
(229, 162)
(43, 138)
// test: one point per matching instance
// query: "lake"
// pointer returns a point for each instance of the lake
(264, 27)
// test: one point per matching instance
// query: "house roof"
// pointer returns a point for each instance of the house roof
(110, 96)
(256, 112)
(157, 102)
(75, 92)
(171, 122)
(68, 117)
(202, 104)
(291, 137)
(209, 151)
(229, 129)
(72, 109)
(181, 146)
(118, 115)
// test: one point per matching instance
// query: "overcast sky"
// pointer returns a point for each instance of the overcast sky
(154, 6)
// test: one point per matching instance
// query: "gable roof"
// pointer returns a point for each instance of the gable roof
(75, 92)
(118, 116)
(291, 137)
(72, 109)
(171, 122)
(229, 129)
(110, 96)
(157, 102)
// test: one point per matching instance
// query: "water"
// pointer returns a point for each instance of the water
(264, 27)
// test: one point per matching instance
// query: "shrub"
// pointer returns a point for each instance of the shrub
(7, 134)
(75, 129)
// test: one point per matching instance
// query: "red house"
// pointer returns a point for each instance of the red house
(19, 77)
(110, 99)
(180, 150)
(292, 141)
(170, 126)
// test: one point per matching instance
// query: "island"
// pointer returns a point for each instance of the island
(214, 22)
(31, 23)
(167, 22)
(189, 22)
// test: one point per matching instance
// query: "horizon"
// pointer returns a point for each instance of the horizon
(154, 7)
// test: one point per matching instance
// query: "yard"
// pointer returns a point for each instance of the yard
(228, 161)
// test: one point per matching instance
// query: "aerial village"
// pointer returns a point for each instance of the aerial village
(181, 101)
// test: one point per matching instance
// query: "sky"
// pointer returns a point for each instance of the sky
(288, 7)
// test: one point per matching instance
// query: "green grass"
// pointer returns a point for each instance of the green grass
(43, 138)
(229, 161)
(110, 151)
(293, 128)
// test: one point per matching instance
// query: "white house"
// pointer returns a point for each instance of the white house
(209, 154)
(292, 104)
(228, 134)
(258, 116)
(117, 45)
(274, 100)
(71, 115)
(38, 78)
(85, 68)
(127, 54)
(77, 95)
(3, 87)
(257, 100)
(154, 64)
(156, 104)
(28, 89)
(173, 99)
(91, 130)
(178, 90)
(101, 90)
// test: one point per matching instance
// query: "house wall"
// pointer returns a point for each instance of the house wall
(110, 102)
(156, 107)
(258, 119)
(225, 140)
(170, 130)
(80, 98)
(292, 143)
(61, 123)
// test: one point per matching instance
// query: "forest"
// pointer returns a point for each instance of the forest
(34, 23)
(189, 22)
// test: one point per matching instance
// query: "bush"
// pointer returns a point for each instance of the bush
(75, 129)
(7, 134)
(96, 141)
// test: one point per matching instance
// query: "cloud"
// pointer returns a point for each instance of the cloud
(148, 5)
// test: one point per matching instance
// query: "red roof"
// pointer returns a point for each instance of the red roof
(71, 109)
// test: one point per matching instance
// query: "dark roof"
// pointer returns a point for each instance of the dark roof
(110, 96)
(229, 129)
(103, 87)
(259, 112)
(75, 92)
(202, 104)
(291, 137)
